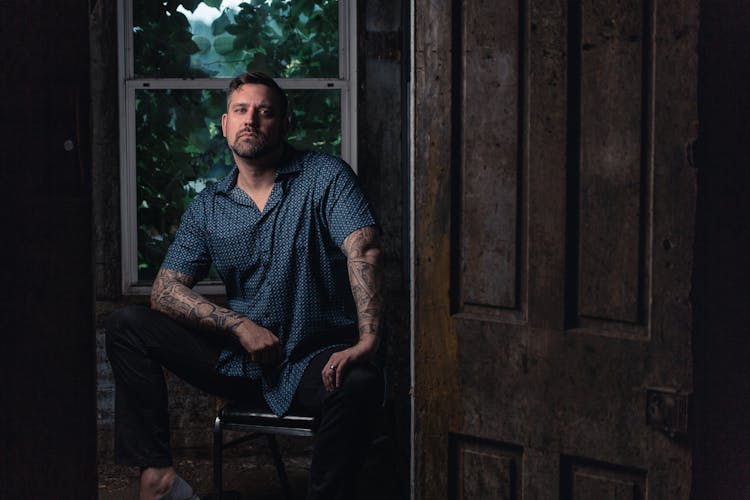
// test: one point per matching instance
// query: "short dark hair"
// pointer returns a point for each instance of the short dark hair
(258, 78)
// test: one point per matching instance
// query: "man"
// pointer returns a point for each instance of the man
(296, 245)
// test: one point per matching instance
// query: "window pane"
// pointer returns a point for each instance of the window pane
(316, 120)
(180, 150)
(215, 38)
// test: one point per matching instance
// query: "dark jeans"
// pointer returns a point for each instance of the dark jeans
(141, 341)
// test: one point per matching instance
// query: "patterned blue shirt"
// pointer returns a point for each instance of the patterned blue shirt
(283, 268)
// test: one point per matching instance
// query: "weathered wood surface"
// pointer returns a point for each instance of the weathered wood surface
(553, 229)
(436, 385)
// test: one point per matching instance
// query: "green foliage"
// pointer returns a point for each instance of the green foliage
(179, 145)
(284, 38)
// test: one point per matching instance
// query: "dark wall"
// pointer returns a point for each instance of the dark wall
(382, 163)
(722, 256)
(47, 399)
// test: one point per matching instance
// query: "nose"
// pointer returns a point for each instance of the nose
(251, 117)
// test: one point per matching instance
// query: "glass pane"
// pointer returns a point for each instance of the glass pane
(215, 38)
(316, 120)
(180, 150)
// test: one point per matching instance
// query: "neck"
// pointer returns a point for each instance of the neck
(258, 172)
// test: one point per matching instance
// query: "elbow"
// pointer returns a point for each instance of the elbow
(154, 301)
(372, 249)
(373, 253)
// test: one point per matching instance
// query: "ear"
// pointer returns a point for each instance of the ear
(224, 118)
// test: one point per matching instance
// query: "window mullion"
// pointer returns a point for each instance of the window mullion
(223, 83)
(128, 195)
(348, 60)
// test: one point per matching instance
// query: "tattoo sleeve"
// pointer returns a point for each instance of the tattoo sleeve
(172, 294)
(363, 254)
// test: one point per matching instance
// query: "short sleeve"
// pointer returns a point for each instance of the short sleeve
(345, 206)
(188, 253)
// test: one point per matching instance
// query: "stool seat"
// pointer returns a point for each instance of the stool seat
(252, 418)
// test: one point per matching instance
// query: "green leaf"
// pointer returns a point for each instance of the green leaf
(203, 43)
(275, 27)
(236, 29)
(190, 4)
(224, 44)
(213, 3)
(220, 24)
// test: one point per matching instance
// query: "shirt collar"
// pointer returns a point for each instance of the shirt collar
(227, 183)
(290, 163)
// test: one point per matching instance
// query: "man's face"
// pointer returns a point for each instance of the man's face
(253, 124)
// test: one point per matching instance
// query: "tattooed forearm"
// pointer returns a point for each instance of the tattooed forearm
(362, 249)
(172, 294)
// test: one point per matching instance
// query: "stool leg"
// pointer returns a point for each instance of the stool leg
(280, 469)
(217, 458)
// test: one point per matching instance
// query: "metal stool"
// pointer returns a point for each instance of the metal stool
(257, 421)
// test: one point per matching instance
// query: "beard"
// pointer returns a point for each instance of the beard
(253, 147)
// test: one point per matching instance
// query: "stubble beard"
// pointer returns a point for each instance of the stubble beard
(253, 148)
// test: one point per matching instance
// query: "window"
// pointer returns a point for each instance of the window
(177, 57)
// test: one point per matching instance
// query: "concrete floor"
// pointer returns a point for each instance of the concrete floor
(251, 478)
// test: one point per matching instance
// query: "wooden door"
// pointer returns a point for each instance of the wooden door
(554, 207)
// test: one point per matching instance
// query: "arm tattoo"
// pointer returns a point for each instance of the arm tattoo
(172, 295)
(362, 250)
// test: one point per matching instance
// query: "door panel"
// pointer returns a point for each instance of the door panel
(473, 458)
(585, 480)
(553, 228)
(489, 152)
(613, 85)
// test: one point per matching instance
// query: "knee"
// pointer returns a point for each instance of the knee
(364, 384)
(120, 326)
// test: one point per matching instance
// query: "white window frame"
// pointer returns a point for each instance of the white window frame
(128, 84)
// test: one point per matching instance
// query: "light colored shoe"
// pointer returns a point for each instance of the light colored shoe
(180, 490)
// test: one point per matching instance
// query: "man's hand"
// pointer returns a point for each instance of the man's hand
(340, 362)
(261, 343)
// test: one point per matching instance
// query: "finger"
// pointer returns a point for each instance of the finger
(324, 375)
(324, 369)
(332, 369)
(340, 373)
